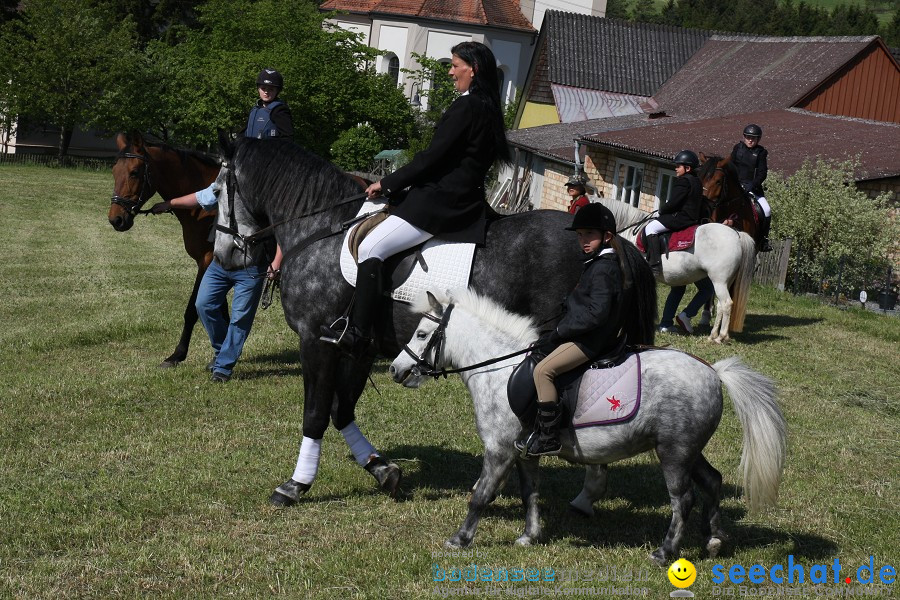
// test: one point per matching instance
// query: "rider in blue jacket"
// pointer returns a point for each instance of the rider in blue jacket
(270, 117)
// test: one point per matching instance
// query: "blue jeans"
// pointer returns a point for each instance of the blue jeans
(704, 292)
(227, 338)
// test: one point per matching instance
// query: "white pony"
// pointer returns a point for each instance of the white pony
(681, 405)
(727, 257)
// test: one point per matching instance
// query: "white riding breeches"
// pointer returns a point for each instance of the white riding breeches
(391, 236)
(764, 205)
(654, 227)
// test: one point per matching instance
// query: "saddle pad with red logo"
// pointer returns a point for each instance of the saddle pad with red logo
(607, 396)
(678, 240)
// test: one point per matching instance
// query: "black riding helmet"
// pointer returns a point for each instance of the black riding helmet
(594, 216)
(270, 77)
(687, 157)
(753, 130)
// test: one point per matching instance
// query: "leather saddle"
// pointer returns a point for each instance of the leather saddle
(522, 393)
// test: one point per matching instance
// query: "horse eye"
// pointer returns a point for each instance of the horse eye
(421, 335)
(135, 173)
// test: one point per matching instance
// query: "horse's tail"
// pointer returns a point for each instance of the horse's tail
(740, 288)
(765, 430)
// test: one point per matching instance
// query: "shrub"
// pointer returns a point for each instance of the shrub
(355, 148)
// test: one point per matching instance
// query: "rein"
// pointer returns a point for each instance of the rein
(437, 343)
(133, 207)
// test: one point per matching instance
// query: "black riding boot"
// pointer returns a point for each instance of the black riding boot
(358, 334)
(651, 243)
(545, 440)
(764, 227)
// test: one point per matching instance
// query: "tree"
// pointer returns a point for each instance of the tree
(617, 9)
(644, 11)
(67, 53)
(355, 148)
(828, 218)
(210, 76)
(433, 81)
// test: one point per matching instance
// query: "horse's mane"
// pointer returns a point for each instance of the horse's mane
(712, 163)
(184, 155)
(518, 327)
(284, 174)
(639, 289)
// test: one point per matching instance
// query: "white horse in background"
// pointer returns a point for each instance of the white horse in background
(681, 405)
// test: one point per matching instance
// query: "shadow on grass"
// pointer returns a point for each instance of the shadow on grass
(755, 324)
(634, 510)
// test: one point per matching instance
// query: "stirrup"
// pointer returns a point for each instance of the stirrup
(334, 334)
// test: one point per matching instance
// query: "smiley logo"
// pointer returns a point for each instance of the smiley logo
(682, 573)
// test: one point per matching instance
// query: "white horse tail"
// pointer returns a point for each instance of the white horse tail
(740, 292)
(765, 430)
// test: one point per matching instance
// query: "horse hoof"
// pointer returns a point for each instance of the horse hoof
(713, 545)
(388, 475)
(169, 364)
(524, 540)
(455, 543)
(658, 558)
(288, 493)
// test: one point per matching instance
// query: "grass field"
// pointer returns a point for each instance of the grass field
(124, 480)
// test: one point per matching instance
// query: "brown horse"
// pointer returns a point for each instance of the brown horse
(728, 201)
(142, 170)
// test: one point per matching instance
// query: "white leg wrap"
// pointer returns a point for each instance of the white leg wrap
(308, 461)
(359, 445)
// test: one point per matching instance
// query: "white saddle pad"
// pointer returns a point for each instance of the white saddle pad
(449, 265)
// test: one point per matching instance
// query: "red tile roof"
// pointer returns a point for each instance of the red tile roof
(737, 74)
(493, 13)
(791, 136)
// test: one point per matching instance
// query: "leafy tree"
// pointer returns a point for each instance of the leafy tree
(355, 148)
(644, 11)
(67, 53)
(163, 20)
(617, 9)
(828, 218)
(891, 32)
(210, 76)
(436, 87)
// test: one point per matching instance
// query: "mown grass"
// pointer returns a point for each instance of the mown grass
(124, 480)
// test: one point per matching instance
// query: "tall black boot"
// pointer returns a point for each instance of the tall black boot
(764, 227)
(358, 334)
(651, 243)
(545, 440)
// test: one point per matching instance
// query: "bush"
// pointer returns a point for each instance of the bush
(833, 224)
(355, 148)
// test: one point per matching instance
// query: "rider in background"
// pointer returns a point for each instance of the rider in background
(750, 159)
(247, 274)
(446, 194)
(270, 117)
(577, 194)
(683, 208)
(591, 326)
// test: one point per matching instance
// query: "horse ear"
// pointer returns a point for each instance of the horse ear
(226, 147)
(137, 140)
(435, 305)
(121, 141)
(702, 157)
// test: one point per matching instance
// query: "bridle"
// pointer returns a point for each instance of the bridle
(133, 207)
(435, 344)
(723, 189)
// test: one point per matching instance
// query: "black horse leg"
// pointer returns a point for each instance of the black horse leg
(529, 480)
(493, 471)
(190, 319)
(681, 496)
(351, 381)
(709, 480)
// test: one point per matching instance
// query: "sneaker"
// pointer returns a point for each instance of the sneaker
(220, 378)
(664, 329)
(684, 322)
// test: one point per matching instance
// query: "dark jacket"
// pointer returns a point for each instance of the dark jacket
(752, 166)
(270, 121)
(593, 316)
(685, 205)
(446, 180)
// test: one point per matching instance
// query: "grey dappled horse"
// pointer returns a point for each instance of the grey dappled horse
(727, 257)
(528, 265)
(681, 405)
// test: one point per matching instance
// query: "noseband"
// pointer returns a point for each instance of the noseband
(435, 343)
(133, 207)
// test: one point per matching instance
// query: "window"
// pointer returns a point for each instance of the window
(664, 187)
(394, 69)
(627, 182)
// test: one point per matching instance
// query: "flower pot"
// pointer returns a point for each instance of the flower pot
(887, 300)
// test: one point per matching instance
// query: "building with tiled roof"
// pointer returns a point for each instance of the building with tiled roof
(400, 28)
(834, 98)
(588, 67)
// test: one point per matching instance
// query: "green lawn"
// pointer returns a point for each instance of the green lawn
(124, 480)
